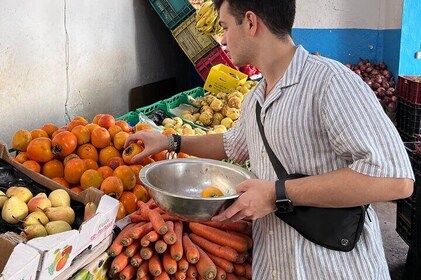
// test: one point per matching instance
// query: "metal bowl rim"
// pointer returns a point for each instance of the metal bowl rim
(145, 170)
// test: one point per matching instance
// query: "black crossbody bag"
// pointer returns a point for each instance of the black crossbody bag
(333, 228)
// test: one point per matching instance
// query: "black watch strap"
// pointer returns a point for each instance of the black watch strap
(280, 190)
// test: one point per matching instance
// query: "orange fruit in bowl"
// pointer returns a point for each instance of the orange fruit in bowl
(211, 191)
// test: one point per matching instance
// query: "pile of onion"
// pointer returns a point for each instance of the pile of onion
(379, 79)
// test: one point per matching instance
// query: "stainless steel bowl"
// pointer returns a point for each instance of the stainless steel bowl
(176, 186)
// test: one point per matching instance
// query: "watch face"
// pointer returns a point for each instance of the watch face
(284, 206)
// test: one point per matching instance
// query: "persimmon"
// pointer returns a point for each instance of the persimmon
(39, 149)
(106, 120)
(61, 181)
(64, 143)
(38, 132)
(121, 213)
(136, 169)
(96, 118)
(129, 201)
(115, 162)
(73, 124)
(124, 126)
(82, 134)
(91, 126)
(141, 193)
(50, 128)
(100, 138)
(127, 176)
(90, 163)
(106, 153)
(142, 126)
(87, 151)
(81, 119)
(21, 139)
(129, 152)
(91, 178)
(105, 171)
(211, 192)
(53, 168)
(57, 132)
(22, 157)
(113, 186)
(146, 161)
(69, 157)
(119, 140)
(160, 156)
(33, 165)
(73, 170)
(113, 130)
(76, 190)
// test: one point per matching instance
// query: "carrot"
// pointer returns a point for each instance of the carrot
(239, 277)
(245, 236)
(139, 232)
(157, 222)
(240, 226)
(177, 248)
(132, 249)
(116, 247)
(170, 237)
(239, 269)
(190, 250)
(128, 272)
(160, 246)
(190, 278)
(168, 217)
(169, 264)
(151, 236)
(136, 260)
(219, 236)
(155, 267)
(138, 218)
(119, 263)
(221, 274)
(163, 276)
(231, 276)
(225, 252)
(242, 257)
(180, 275)
(248, 273)
(183, 264)
(227, 266)
(151, 203)
(146, 277)
(205, 267)
(143, 270)
(146, 252)
(191, 271)
(126, 241)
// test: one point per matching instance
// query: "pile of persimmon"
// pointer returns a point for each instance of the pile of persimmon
(158, 246)
(83, 155)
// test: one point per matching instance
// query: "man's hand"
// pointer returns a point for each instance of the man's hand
(153, 142)
(257, 199)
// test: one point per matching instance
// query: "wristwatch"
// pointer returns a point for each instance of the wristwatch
(283, 204)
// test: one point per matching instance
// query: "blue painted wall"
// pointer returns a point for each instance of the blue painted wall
(349, 45)
(411, 38)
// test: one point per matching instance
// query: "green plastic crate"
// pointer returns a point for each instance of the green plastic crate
(172, 12)
(132, 118)
(147, 110)
(183, 97)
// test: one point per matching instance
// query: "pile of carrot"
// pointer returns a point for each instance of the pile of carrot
(158, 246)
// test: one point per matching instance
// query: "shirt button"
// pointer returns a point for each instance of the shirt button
(274, 273)
(270, 232)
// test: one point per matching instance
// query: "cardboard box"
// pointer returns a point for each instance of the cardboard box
(57, 251)
(222, 78)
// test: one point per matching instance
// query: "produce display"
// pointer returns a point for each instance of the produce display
(207, 19)
(33, 210)
(381, 81)
(161, 246)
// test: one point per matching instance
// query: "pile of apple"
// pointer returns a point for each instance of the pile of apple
(41, 215)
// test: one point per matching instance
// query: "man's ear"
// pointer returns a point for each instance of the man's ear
(251, 22)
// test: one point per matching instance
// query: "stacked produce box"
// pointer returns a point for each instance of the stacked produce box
(408, 219)
(195, 27)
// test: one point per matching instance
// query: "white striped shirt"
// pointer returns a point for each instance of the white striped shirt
(318, 118)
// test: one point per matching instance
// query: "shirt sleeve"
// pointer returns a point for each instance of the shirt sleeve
(360, 131)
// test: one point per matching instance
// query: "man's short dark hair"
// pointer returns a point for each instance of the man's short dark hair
(278, 15)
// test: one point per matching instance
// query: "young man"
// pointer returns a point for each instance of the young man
(320, 119)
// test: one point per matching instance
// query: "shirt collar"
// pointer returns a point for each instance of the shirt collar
(292, 74)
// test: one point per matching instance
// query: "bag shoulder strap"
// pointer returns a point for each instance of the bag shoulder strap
(277, 165)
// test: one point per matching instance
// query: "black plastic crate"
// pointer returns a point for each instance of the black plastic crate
(408, 117)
